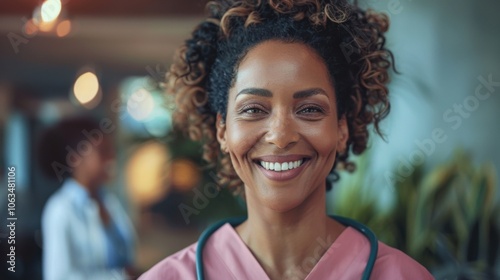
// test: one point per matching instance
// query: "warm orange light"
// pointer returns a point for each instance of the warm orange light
(146, 173)
(63, 28)
(30, 27)
(185, 175)
(86, 87)
(46, 26)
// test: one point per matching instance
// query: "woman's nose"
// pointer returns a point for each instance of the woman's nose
(281, 130)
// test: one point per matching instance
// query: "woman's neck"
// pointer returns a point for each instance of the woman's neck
(289, 244)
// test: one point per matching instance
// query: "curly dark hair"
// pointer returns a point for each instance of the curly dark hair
(350, 41)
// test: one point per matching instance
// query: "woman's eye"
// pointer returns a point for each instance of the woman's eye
(311, 110)
(252, 111)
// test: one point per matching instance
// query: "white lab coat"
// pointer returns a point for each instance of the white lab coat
(74, 240)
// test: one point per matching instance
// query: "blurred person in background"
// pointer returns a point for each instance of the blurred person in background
(86, 232)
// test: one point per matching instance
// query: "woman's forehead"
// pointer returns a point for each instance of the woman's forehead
(273, 63)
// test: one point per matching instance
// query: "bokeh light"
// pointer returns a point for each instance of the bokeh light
(30, 27)
(63, 28)
(185, 175)
(50, 10)
(146, 173)
(45, 26)
(86, 89)
(140, 104)
(145, 109)
(37, 16)
(159, 123)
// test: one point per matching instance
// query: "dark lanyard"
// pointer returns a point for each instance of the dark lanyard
(236, 221)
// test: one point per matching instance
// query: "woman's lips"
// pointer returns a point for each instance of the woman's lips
(281, 158)
(283, 175)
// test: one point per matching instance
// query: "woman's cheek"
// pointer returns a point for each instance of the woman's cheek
(323, 138)
(242, 137)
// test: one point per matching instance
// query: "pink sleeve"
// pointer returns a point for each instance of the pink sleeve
(181, 265)
(394, 264)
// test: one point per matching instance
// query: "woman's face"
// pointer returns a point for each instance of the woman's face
(97, 165)
(281, 129)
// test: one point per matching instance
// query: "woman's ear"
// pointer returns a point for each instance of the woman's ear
(221, 132)
(343, 134)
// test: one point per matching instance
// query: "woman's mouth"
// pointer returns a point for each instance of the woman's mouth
(280, 170)
(284, 166)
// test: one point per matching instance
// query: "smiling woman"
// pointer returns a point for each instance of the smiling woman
(279, 104)
(282, 109)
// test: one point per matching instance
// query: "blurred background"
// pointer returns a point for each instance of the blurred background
(430, 189)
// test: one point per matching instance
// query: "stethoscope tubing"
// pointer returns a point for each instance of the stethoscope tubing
(238, 220)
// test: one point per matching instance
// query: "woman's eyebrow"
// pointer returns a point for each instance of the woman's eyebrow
(255, 91)
(309, 92)
(297, 95)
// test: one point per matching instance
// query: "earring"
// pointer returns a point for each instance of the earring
(223, 148)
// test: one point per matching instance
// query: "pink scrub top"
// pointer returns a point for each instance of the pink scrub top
(225, 256)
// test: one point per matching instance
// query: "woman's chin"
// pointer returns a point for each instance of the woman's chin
(282, 201)
(280, 197)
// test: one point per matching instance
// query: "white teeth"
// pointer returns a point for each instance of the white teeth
(276, 166)
(284, 166)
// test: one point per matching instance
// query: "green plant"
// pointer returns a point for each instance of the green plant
(445, 219)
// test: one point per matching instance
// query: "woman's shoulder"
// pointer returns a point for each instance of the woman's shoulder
(392, 263)
(58, 202)
(181, 265)
(219, 250)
